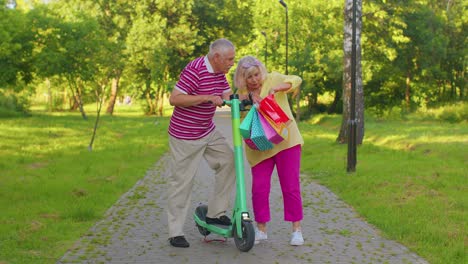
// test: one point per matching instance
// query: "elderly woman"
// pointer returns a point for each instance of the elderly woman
(252, 78)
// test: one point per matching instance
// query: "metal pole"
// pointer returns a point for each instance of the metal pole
(286, 8)
(266, 48)
(352, 119)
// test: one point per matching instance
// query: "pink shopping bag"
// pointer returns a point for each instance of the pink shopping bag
(250, 143)
(272, 135)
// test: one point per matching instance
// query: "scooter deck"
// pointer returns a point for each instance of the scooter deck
(220, 226)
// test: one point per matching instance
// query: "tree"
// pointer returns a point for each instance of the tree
(347, 85)
(317, 52)
(115, 19)
(421, 57)
(383, 34)
(71, 48)
(15, 48)
(15, 60)
(413, 53)
(159, 44)
(457, 50)
(232, 19)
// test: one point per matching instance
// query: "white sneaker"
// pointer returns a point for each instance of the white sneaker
(296, 238)
(260, 235)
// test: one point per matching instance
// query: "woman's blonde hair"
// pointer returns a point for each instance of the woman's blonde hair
(246, 66)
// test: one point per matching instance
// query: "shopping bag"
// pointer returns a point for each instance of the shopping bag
(271, 133)
(246, 124)
(258, 134)
(245, 128)
(270, 108)
(282, 128)
(249, 142)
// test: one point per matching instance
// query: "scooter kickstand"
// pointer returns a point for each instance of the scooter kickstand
(214, 240)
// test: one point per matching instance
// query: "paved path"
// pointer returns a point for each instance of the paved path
(134, 230)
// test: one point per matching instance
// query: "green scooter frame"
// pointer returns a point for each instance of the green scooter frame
(242, 227)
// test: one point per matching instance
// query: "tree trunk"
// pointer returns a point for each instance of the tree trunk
(359, 99)
(462, 82)
(76, 92)
(298, 105)
(113, 95)
(408, 91)
(161, 102)
(332, 109)
(150, 110)
(100, 97)
(309, 104)
(65, 98)
(50, 105)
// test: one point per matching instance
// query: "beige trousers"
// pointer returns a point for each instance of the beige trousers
(186, 156)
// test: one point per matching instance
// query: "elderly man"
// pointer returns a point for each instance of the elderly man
(202, 86)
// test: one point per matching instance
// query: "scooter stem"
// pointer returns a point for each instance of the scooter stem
(240, 206)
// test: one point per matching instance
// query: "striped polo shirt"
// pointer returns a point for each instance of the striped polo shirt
(197, 78)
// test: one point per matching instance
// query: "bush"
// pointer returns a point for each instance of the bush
(13, 104)
(454, 113)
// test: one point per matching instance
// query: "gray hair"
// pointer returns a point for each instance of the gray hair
(245, 66)
(220, 46)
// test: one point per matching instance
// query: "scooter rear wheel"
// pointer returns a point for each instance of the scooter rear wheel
(245, 243)
(201, 212)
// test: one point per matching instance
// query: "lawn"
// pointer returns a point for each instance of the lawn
(410, 179)
(53, 189)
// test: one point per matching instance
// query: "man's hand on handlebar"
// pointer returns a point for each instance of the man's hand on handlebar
(216, 100)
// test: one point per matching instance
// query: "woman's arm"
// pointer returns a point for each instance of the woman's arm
(285, 83)
(281, 88)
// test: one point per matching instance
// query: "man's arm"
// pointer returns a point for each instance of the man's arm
(178, 98)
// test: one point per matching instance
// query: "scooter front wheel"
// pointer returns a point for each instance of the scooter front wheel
(245, 243)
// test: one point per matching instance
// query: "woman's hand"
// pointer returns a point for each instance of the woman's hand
(255, 98)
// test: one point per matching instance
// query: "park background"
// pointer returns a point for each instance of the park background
(84, 113)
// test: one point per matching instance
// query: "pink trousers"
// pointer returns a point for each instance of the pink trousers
(287, 164)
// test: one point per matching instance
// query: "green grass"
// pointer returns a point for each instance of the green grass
(52, 189)
(411, 180)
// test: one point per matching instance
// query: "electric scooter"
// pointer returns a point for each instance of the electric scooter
(242, 227)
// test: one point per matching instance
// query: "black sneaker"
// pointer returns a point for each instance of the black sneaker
(222, 220)
(179, 241)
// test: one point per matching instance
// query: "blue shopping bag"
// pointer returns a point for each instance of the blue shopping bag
(257, 134)
(246, 124)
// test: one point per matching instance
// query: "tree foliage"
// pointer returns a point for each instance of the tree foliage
(15, 47)
(71, 46)
(413, 52)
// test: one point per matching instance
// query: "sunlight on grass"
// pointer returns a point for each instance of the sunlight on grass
(59, 187)
(410, 180)
(322, 136)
